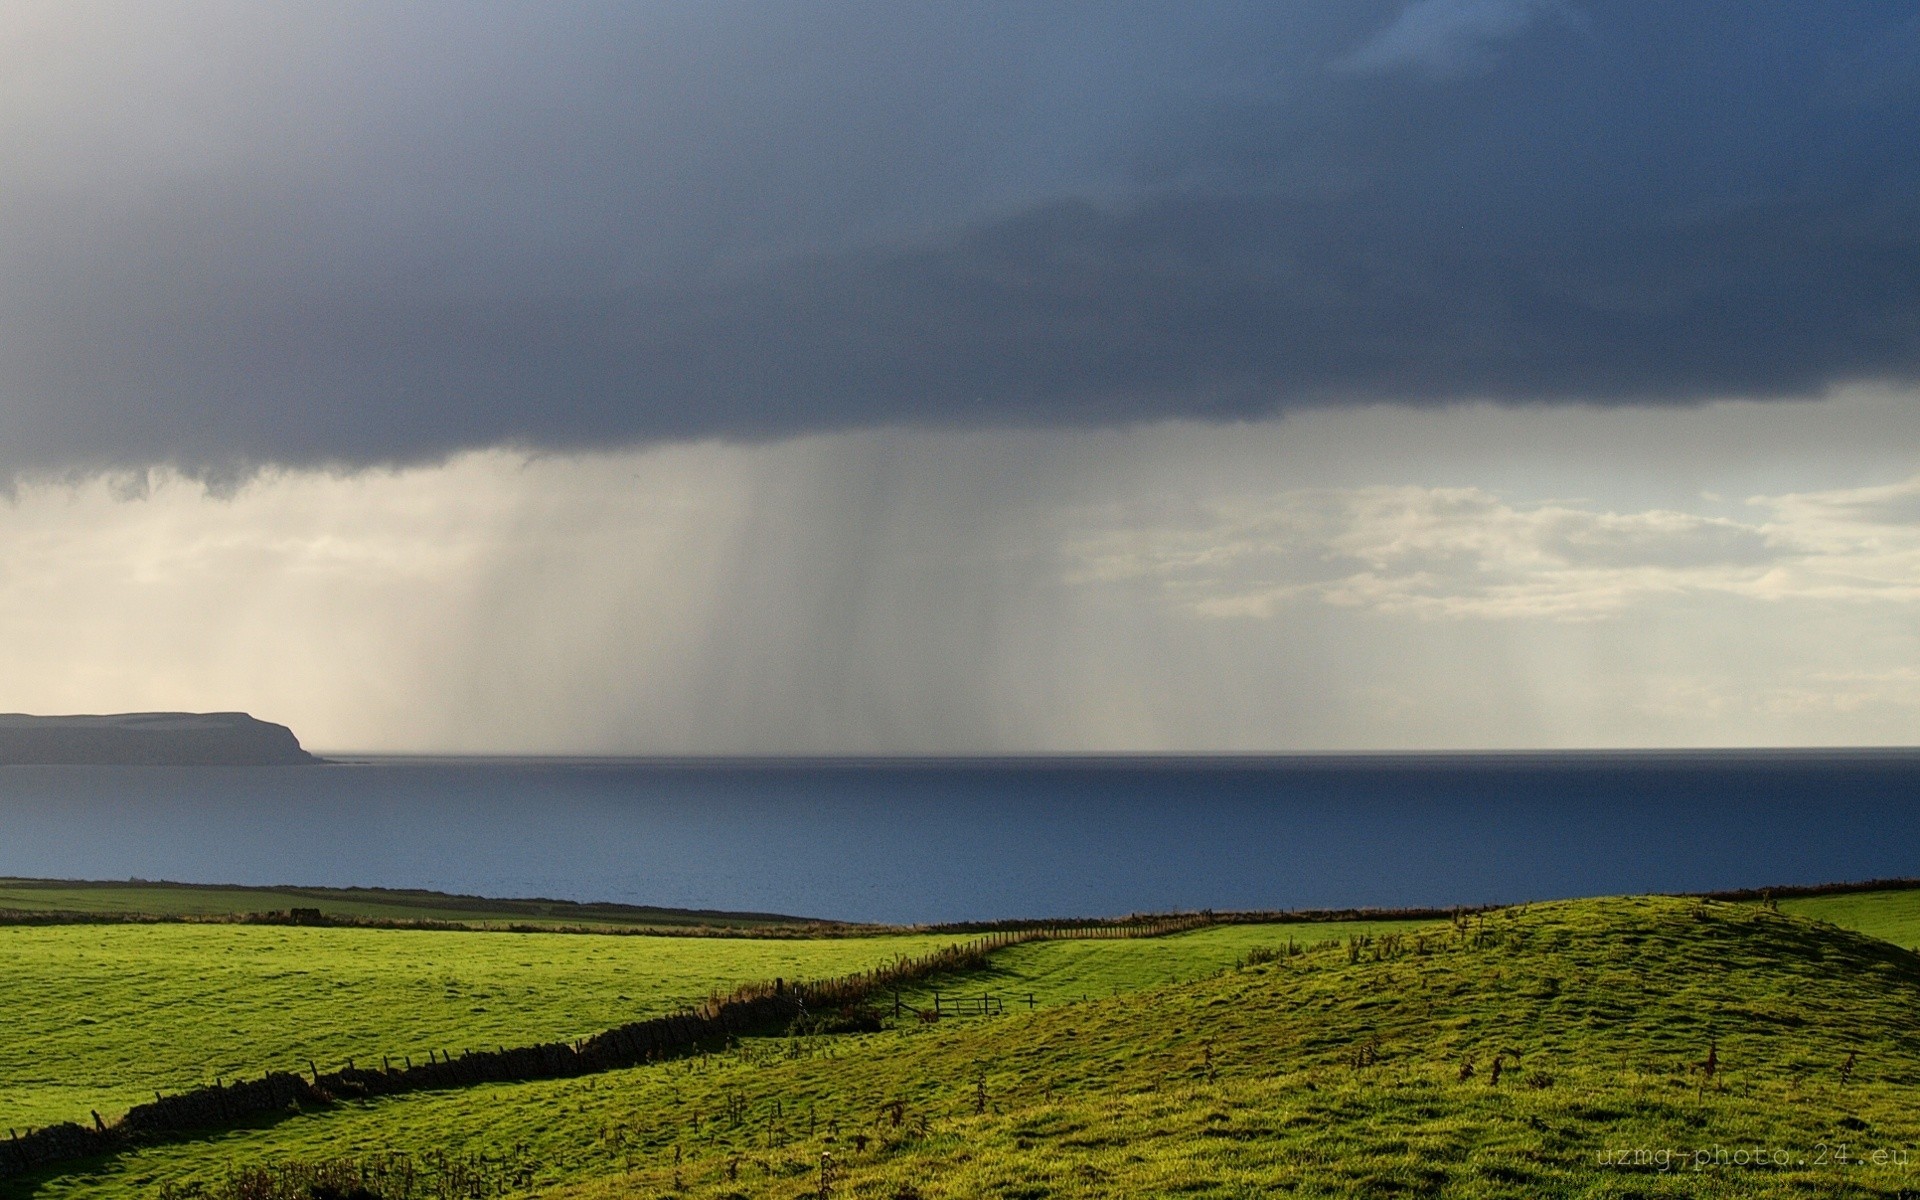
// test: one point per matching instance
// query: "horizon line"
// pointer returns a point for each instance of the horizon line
(346, 757)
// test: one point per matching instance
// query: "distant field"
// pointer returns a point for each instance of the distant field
(187, 899)
(100, 1016)
(1063, 971)
(1892, 916)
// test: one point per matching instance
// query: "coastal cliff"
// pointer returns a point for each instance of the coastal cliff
(149, 740)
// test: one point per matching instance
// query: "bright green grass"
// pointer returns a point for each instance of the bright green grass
(1893, 916)
(1313, 1076)
(100, 1009)
(1056, 972)
(101, 1016)
(203, 900)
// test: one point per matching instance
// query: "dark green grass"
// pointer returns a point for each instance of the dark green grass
(1336, 1072)
(378, 904)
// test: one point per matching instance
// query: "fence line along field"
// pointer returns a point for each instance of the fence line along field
(1529, 1052)
(99, 1017)
(103, 1016)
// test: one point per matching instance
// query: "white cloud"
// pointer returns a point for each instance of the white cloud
(1815, 694)
(1466, 552)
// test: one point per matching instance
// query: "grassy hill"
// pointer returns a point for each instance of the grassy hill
(1636, 1039)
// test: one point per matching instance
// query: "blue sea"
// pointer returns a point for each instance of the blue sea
(945, 840)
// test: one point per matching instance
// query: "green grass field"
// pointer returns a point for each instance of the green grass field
(1064, 971)
(1891, 915)
(101, 1016)
(1333, 1072)
(1234, 1060)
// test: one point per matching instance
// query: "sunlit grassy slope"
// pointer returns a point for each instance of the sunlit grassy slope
(200, 900)
(1893, 915)
(101, 1016)
(1339, 1071)
(1057, 972)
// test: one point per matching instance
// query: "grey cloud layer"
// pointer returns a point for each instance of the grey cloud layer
(233, 235)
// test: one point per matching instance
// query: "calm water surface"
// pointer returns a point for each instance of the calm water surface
(927, 840)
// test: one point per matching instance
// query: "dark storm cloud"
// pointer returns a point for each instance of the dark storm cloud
(356, 234)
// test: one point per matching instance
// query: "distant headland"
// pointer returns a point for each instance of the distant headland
(228, 739)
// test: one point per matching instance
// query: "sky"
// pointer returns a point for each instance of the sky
(665, 378)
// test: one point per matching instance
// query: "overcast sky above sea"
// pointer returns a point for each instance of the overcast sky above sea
(855, 377)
